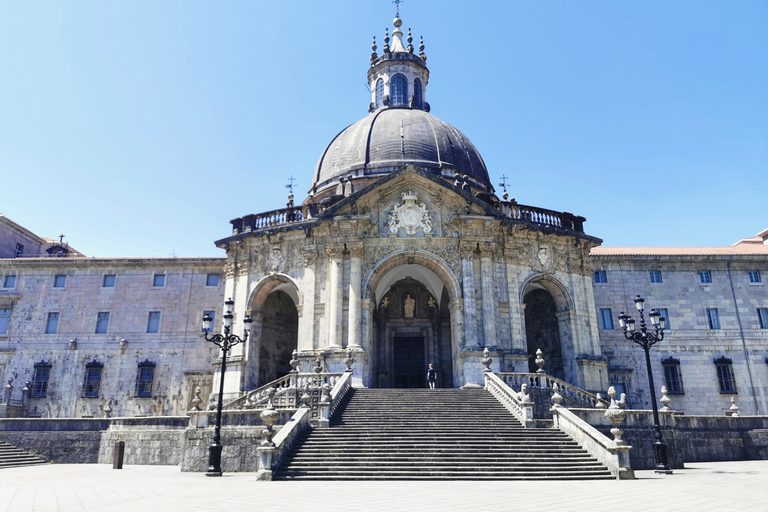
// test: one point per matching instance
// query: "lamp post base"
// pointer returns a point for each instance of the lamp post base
(662, 462)
(214, 460)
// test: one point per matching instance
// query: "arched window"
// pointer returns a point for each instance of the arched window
(398, 91)
(417, 93)
(379, 92)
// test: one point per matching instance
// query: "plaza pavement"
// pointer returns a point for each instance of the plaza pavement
(715, 486)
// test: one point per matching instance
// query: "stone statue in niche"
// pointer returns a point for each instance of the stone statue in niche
(385, 302)
(431, 303)
(410, 306)
(410, 216)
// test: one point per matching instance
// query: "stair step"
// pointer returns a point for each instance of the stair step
(431, 435)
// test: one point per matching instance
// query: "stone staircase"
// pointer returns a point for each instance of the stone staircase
(441, 434)
(11, 457)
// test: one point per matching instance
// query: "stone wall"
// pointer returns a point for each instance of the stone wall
(689, 338)
(688, 438)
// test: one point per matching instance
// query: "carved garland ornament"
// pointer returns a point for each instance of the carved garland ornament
(410, 216)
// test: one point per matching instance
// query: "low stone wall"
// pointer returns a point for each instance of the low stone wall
(56, 446)
(688, 438)
(239, 448)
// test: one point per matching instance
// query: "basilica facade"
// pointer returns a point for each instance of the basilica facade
(403, 255)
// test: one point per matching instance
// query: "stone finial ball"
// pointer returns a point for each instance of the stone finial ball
(397, 22)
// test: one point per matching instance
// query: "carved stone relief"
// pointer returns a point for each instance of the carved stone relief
(410, 216)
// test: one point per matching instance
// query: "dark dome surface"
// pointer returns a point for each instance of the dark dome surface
(390, 138)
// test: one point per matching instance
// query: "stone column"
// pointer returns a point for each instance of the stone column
(468, 251)
(334, 306)
(490, 303)
(355, 293)
(307, 319)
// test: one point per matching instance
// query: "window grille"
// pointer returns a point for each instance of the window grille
(92, 382)
(153, 323)
(40, 380)
(144, 379)
(379, 92)
(724, 367)
(672, 376)
(754, 276)
(705, 277)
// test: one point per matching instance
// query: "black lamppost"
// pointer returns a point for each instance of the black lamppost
(646, 340)
(225, 341)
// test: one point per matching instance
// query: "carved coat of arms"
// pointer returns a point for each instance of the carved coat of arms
(410, 216)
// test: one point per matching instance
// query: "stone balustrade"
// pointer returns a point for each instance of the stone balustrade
(514, 402)
(540, 387)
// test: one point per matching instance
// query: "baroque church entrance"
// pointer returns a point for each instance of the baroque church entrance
(279, 336)
(412, 329)
(541, 331)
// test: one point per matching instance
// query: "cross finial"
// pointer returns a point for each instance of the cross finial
(503, 183)
(289, 186)
(397, 3)
(61, 239)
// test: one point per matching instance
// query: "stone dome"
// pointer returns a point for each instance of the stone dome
(389, 138)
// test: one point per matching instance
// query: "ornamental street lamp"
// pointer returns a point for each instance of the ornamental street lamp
(224, 341)
(647, 339)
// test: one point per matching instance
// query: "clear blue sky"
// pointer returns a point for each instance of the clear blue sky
(140, 128)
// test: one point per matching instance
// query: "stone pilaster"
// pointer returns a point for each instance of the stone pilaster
(307, 319)
(490, 303)
(468, 251)
(334, 306)
(355, 294)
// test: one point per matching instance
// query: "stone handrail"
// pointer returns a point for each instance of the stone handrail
(286, 437)
(538, 215)
(540, 389)
(339, 391)
(523, 411)
(615, 456)
(287, 391)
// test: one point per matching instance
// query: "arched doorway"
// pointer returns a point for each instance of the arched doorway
(279, 336)
(413, 324)
(541, 331)
(412, 330)
(547, 325)
(274, 333)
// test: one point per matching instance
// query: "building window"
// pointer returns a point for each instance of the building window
(672, 376)
(59, 281)
(52, 325)
(417, 93)
(158, 280)
(606, 320)
(9, 282)
(212, 280)
(102, 322)
(153, 324)
(762, 313)
(19, 250)
(754, 276)
(705, 277)
(379, 92)
(108, 281)
(92, 381)
(398, 91)
(725, 380)
(600, 276)
(211, 314)
(655, 276)
(713, 318)
(5, 320)
(40, 380)
(144, 379)
(665, 314)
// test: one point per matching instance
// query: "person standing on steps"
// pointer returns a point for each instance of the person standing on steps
(431, 376)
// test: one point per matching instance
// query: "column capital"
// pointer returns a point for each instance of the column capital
(489, 250)
(467, 250)
(356, 249)
(309, 253)
(334, 251)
